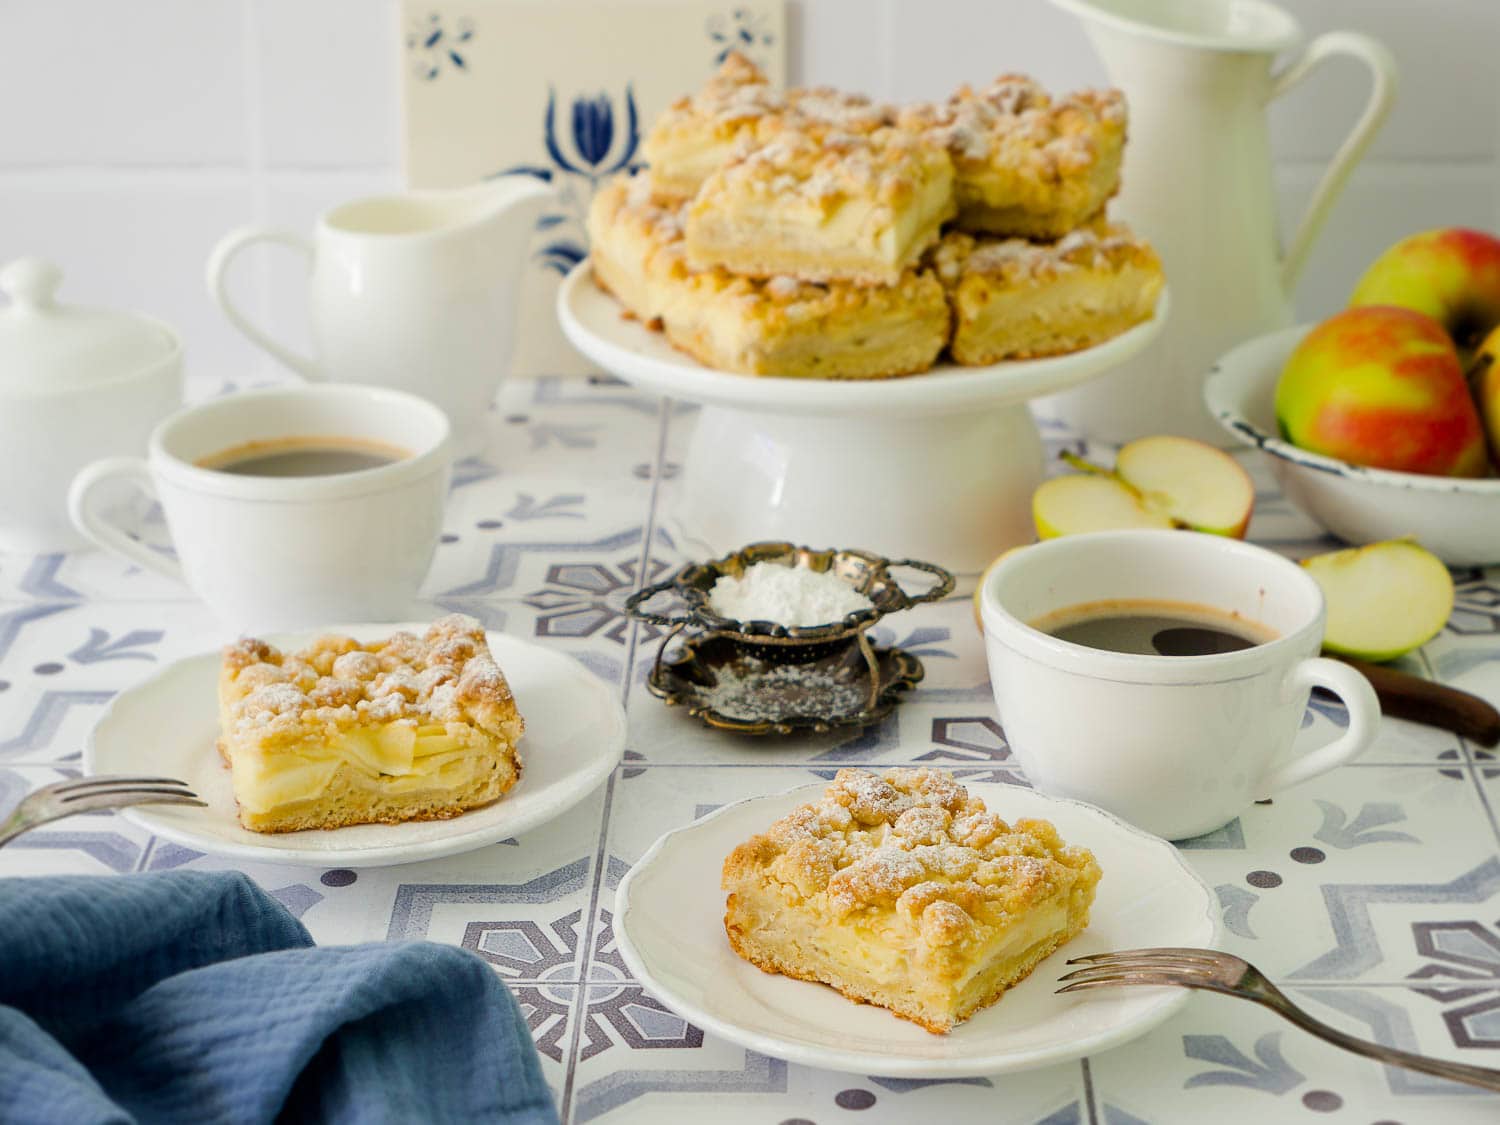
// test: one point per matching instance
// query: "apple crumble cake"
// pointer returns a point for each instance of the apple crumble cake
(339, 733)
(699, 133)
(780, 326)
(823, 204)
(1014, 299)
(1024, 164)
(906, 892)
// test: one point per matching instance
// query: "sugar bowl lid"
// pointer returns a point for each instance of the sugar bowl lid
(50, 348)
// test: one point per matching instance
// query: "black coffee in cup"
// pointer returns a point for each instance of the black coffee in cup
(303, 457)
(1151, 627)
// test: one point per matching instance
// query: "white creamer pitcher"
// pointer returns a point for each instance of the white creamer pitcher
(416, 291)
(1197, 181)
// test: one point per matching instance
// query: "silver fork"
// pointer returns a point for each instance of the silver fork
(1213, 971)
(65, 798)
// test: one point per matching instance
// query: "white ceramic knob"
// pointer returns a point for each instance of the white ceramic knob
(31, 283)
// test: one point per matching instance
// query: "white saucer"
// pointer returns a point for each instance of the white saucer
(575, 734)
(669, 925)
(595, 324)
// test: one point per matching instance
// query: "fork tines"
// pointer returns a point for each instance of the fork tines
(86, 787)
(1183, 967)
(1172, 954)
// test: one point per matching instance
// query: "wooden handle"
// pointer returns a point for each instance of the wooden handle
(1404, 696)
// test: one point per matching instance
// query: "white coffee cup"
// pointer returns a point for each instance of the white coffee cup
(1178, 745)
(287, 552)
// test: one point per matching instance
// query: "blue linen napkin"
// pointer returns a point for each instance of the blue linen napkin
(195, 997)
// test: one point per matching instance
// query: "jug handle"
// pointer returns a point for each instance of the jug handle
(218, 266)
(1375, 55)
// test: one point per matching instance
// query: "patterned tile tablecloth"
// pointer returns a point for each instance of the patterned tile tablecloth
(1372, 893)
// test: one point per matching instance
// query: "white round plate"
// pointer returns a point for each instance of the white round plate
(669, 925)
(596, 324)
(575, 734)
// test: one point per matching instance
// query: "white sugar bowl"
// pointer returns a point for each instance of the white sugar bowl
(76, 384)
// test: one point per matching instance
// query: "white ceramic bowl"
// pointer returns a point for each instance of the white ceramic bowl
(1456, 519)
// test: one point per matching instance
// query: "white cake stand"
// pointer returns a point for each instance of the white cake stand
(939, 466)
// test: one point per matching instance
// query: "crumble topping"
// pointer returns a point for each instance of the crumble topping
(1017, 259)
(915, 844)
(1013, 122)
(821, 166)
(739, 96)
(446, 675)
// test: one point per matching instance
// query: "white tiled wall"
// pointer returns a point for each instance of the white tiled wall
(134, 132)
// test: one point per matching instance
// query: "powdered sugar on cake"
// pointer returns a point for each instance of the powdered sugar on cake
(446, 675)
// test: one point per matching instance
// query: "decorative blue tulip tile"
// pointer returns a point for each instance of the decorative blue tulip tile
(564, 93)
(1229, 1061)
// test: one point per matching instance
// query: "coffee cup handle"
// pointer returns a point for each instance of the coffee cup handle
(1358, 697)
(83, 495)
(218, 265)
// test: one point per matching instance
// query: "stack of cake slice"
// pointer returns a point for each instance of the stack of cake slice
(802, 233)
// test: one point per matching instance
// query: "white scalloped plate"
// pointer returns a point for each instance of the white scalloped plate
(669, 925)
(166, 726)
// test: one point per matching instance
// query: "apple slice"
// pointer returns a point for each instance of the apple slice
(1197, 485)
(1083, 502)
(1383, 600)
(1160, 481)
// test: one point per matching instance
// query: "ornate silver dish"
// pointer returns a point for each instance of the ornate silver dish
(763, 677)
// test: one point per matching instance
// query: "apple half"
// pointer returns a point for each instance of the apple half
(1163, 482)
(1384, 600)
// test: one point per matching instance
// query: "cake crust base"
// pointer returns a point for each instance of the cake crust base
(768, 962)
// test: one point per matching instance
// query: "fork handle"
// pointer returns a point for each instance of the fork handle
(1441, 1068)
(13, 825)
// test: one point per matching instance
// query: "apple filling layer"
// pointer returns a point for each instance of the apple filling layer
(398, 757)
(904, 891)
(340, 733)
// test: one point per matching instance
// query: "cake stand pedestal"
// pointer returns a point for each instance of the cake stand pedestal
(939, 466)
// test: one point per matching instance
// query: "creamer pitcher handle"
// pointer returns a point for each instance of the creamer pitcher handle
(218, 265)
(1375, 55)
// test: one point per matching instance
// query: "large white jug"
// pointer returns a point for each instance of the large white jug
(415, 291)
(1197, 182)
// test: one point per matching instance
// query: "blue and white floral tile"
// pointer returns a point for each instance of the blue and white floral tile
(520, 904)
(1446, 1018)
(519, 536)
(99, 843)
(738, 1087)
(1230, 1061)
(1340, 878)
(61, 663)
(544, 562)
(88, 573)
(596, 429)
